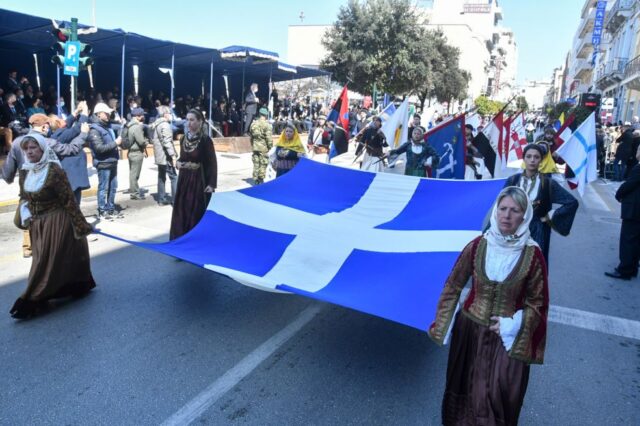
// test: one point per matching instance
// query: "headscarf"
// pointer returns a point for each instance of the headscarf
(295, 144)
(37, 172)
(522, 236)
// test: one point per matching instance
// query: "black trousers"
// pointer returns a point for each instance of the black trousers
(629, 247)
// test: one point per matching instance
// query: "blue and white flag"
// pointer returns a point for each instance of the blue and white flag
(579, 152)
(378, 243)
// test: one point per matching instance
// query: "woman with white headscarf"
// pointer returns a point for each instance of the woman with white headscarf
(60, 262)
(501, 326)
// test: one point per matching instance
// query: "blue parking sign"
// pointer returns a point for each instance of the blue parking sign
(71, 58)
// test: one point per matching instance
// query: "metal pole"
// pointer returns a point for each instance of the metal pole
(242, 100)
(210, 94)
(58, 90)
(269, 99)
(73, 93)
(124, 44)
(74, 37)
(35, 60)
(173, 73)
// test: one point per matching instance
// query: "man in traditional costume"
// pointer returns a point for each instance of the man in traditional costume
(373, 142)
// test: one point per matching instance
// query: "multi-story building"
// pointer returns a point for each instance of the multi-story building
(616, 56)
(554, 95)
(487, 50)
(536, 93)
(580, 68)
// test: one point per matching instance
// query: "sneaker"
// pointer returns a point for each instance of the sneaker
(164, 202)
(116, 214)
(137, 197)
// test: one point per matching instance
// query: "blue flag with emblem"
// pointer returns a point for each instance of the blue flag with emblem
(347, 242)
(448, 141)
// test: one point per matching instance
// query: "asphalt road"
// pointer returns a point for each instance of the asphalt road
(165, 341)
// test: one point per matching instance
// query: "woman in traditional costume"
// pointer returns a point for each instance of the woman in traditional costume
(60, 254)
(422, 158)
(500, 329)
(289, 150)
(544, 192)
(197, 178)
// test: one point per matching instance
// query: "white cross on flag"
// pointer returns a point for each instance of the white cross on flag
(579, 152)
(379, 243)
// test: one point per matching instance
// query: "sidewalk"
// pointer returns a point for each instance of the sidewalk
(234, 172)
(238, 165)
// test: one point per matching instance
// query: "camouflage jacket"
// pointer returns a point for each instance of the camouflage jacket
(261, 139)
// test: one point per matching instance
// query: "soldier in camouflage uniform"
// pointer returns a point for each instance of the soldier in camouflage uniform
(261, 142)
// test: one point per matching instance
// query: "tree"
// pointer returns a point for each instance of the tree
(377, 41)
(487, 107)
(562, 107)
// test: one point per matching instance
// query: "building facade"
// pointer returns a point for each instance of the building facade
(619, 49)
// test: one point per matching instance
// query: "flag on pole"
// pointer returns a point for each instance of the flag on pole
(564, 133)
(448, 141)
(518, 140)
(503, 148)
(494, 133)
(340, 116)
(579, 152)
(559, 122)
(396, 128)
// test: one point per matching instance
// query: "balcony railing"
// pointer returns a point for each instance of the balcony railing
(632, 68)
(617, 14)
(611, 72)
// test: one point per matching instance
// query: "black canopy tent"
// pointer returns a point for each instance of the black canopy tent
(25, 44)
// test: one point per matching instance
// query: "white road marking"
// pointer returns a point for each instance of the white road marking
(621, 327)
(617, 326)
(198, 405)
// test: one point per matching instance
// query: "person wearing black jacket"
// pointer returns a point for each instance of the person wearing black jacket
(629, 196)
(624, 153)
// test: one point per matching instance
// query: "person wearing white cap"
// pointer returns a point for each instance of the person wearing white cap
(104, 147)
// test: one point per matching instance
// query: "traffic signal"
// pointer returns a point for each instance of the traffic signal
(85, 59)
(61, 34)
(58, 53)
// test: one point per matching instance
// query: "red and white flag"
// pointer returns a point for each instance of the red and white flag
(517, 140)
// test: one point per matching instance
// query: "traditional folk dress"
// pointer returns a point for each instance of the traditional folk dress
(198, 168)
(422, 158)
(544, 192)
(60, 254)
(288, 153)
(374, 143)
(487, 373)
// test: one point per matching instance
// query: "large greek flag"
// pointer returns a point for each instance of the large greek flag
(379, 243)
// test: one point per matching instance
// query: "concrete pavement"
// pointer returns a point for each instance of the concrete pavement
(160, 340)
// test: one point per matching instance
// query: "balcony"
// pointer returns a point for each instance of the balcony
(586, 25)
(584, 48)
(581, 69)
(631, 77)
(618, 14)
(610, 73)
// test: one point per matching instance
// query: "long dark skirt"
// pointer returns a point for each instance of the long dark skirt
(541, 234)
(190, 203)
(484, 385)
(60, 264)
